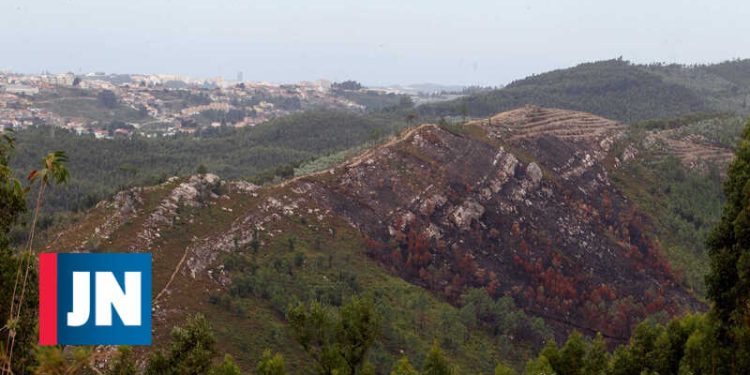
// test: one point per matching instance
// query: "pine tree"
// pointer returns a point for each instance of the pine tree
(358, 327)
(52, 361)
(271, 364)
(571, 355)
(728, 281)
(337, 339)
(539, 366)
(435, 363)
(502, 369)
(551, 354)
(227, 367)
(596, 361)
(368, 369)
(403, 367)
(189, 353)
(123, 363)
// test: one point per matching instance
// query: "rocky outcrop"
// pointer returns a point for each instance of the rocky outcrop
(197, 191)
(531, 202)
(467, 213)
(534, 173)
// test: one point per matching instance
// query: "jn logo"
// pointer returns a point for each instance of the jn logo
(95, 299)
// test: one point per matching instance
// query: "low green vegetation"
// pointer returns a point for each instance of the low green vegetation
(266, 152)
(330, 160)
(683, 205)
(719, 129)
(306, 275)
(191, 350)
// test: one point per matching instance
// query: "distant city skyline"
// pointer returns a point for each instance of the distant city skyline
(378, 43)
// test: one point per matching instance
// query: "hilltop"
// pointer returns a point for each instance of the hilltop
(529, 211)
(617, 89)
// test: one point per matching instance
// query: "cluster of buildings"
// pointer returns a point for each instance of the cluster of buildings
(151, 105)
(17, 113)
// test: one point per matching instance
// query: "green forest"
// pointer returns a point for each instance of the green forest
(267, 152)
(616, 89)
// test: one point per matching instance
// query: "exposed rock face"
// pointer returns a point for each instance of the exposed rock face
(195, 192)
(202, 253)
(123, 208)
(534, 173)
(629, 153)
(431, 204)
(569, 249)
(467, 213)
(244, 186)
(507, 164)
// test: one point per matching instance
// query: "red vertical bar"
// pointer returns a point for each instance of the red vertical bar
(48, 299)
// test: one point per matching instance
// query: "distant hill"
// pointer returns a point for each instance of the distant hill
(618, 90)
(735, 71)
(723, 87)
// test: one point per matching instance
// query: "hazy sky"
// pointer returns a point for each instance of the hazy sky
(376, 42)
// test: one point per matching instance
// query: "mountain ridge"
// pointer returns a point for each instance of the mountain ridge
(495, 205)
(616, 89)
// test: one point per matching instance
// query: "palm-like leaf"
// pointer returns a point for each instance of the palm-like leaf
(11, 183)
(53, 167)
(8, 139)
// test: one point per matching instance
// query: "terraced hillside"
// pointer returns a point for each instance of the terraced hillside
(694, 151)
(673, 169)
(531, 121)
(519, 208)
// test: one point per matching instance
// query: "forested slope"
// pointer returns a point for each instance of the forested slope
(618, 90)
(102, 167)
